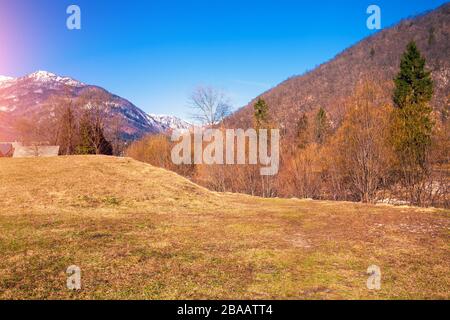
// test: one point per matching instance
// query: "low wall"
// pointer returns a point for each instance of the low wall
(35, 151)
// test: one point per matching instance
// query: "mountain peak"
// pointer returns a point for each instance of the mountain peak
(41, 74)
(27, 97)
(5, 78)
(168, 122)
(46, 76)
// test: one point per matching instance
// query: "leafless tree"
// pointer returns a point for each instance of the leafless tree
(65, 131)
(210, 106)
(95, 118)
(361, 150)
(114, 132)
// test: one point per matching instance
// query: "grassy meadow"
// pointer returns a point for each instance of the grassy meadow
(140, 232)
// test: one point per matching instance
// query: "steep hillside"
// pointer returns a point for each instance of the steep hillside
(139, 232)
(375, 57)
(27, 97)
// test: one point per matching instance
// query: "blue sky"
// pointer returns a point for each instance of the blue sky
(154, 53)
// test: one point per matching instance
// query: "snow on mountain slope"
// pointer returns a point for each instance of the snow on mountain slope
(28, 97)
(5, 78)
(45, 76)
(167, 122)
(5, 81)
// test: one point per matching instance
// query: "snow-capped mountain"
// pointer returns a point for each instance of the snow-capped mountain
(167, 122)
(29, 96)
(51, 78)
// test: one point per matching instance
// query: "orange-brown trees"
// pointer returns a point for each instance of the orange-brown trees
(362, 155)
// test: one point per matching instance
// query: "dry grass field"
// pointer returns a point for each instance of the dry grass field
(139, 232)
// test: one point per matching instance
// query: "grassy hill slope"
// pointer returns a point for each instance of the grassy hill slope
(139, 232)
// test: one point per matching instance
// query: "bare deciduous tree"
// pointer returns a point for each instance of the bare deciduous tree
(114, 134)
(94, 120)
(211, 106)
(360, 144)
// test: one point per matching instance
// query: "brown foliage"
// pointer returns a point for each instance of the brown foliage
(360, 148)
(156, 150)
(354, 163)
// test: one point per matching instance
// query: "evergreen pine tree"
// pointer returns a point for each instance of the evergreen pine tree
(85, 131)
(412, 117)
(92, 138)
(104, 146)
(261, 115)
(322, 126)
(412, 124)
(302, 132)
(67, 131)
(413, 84)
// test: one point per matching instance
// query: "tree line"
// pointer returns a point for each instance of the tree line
(79, 125)
(394, 152)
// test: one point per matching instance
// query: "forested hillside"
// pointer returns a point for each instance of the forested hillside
(375, 57)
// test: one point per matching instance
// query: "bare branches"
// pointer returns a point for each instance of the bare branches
(210, 106)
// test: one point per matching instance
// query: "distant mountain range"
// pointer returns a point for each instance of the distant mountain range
(28, 96)
(376, 57)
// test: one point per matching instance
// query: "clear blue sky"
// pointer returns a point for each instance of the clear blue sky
(154, 53)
